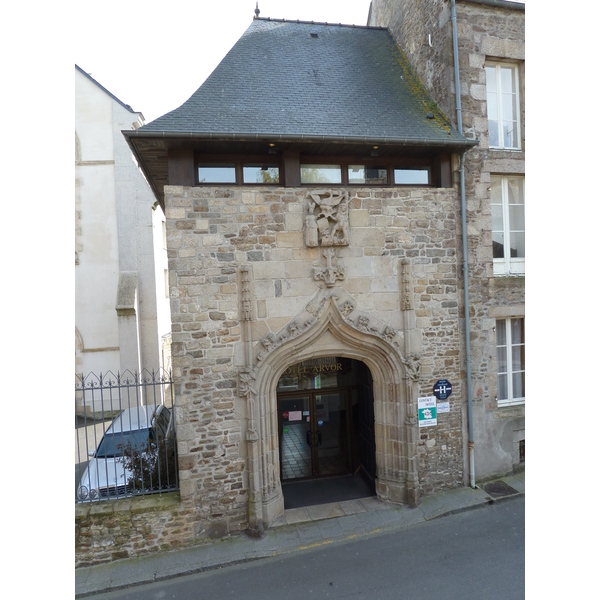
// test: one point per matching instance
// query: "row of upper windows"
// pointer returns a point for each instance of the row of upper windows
(312, 174)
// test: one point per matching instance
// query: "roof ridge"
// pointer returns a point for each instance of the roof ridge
(123, 104)
(300, 22)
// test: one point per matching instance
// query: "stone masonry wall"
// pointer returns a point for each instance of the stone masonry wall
(127, 528)
(484, 33)
(212, 231)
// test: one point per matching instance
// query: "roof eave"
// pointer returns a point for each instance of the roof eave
(464, 143)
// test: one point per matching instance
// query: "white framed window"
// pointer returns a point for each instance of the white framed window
(510, 352)
(502, 84)
(507, 194)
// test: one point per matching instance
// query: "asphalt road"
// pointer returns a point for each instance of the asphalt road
(475, 554)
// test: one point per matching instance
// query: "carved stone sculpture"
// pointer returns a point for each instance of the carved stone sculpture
(330, 273)
(326, 221)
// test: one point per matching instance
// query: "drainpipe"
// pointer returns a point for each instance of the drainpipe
(463, 207)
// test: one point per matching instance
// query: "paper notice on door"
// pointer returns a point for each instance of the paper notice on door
(295, 415)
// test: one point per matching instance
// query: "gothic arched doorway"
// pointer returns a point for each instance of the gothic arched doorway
(326, 430)
(329, 328)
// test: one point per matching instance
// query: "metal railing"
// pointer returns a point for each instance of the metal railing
(125, 438)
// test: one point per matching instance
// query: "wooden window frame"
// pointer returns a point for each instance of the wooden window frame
(239, 161)
(289, 165)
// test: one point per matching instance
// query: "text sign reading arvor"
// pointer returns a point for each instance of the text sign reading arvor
(442, 389)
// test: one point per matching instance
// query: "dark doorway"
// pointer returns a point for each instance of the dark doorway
(326, 431)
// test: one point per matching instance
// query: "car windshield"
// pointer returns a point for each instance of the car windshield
(113, 444)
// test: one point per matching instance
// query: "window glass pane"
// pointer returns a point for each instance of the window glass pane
(358, 174)
(517, 245)
(517, 331)
(509, 107)
(501, 357)
(496, 189)
(515, 190)
(492, 107)
(516, 216)
(320, 174)
(507, 76)
(518, 384)
(493, 133)
(497, 218)
(261, 174)
(509, 130)
(223, 173)
(411, 176)
(518, 358)
(498, 244)
(490, 79)
(502, 387)
(501, 333)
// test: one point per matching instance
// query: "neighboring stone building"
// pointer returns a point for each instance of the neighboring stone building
(122, 311)
(491, 57)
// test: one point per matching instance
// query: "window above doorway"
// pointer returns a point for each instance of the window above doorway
(315, 171)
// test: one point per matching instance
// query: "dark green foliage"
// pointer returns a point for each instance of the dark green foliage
(152, 467)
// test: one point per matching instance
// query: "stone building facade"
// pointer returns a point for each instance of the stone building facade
(307, 233)
(490, 35)
(314, 238)
(392, 297)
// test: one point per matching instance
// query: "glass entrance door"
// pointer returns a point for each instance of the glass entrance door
(314, 434)
(295, 455)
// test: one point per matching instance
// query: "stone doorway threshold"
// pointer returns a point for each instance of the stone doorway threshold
(313, 492)
(330, 510)
(318, 499)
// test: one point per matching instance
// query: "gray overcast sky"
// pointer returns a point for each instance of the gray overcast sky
(154, 55)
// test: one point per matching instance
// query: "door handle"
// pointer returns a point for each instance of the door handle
(309, 438)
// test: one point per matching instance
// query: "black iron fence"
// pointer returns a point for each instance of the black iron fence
(125, 437)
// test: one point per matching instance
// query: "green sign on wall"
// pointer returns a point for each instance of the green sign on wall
(427, 411)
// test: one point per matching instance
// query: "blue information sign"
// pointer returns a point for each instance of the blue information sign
(442, 389)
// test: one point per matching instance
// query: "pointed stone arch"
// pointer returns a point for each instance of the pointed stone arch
(330, 325)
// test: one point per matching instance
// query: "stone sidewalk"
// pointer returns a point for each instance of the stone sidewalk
(297, 530)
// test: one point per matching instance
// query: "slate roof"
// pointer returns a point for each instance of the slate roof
(290, 80)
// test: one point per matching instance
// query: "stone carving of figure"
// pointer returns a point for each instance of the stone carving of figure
(323, 223)
(311, 234)
(326, 223)
(339, 233)
(413, 366)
